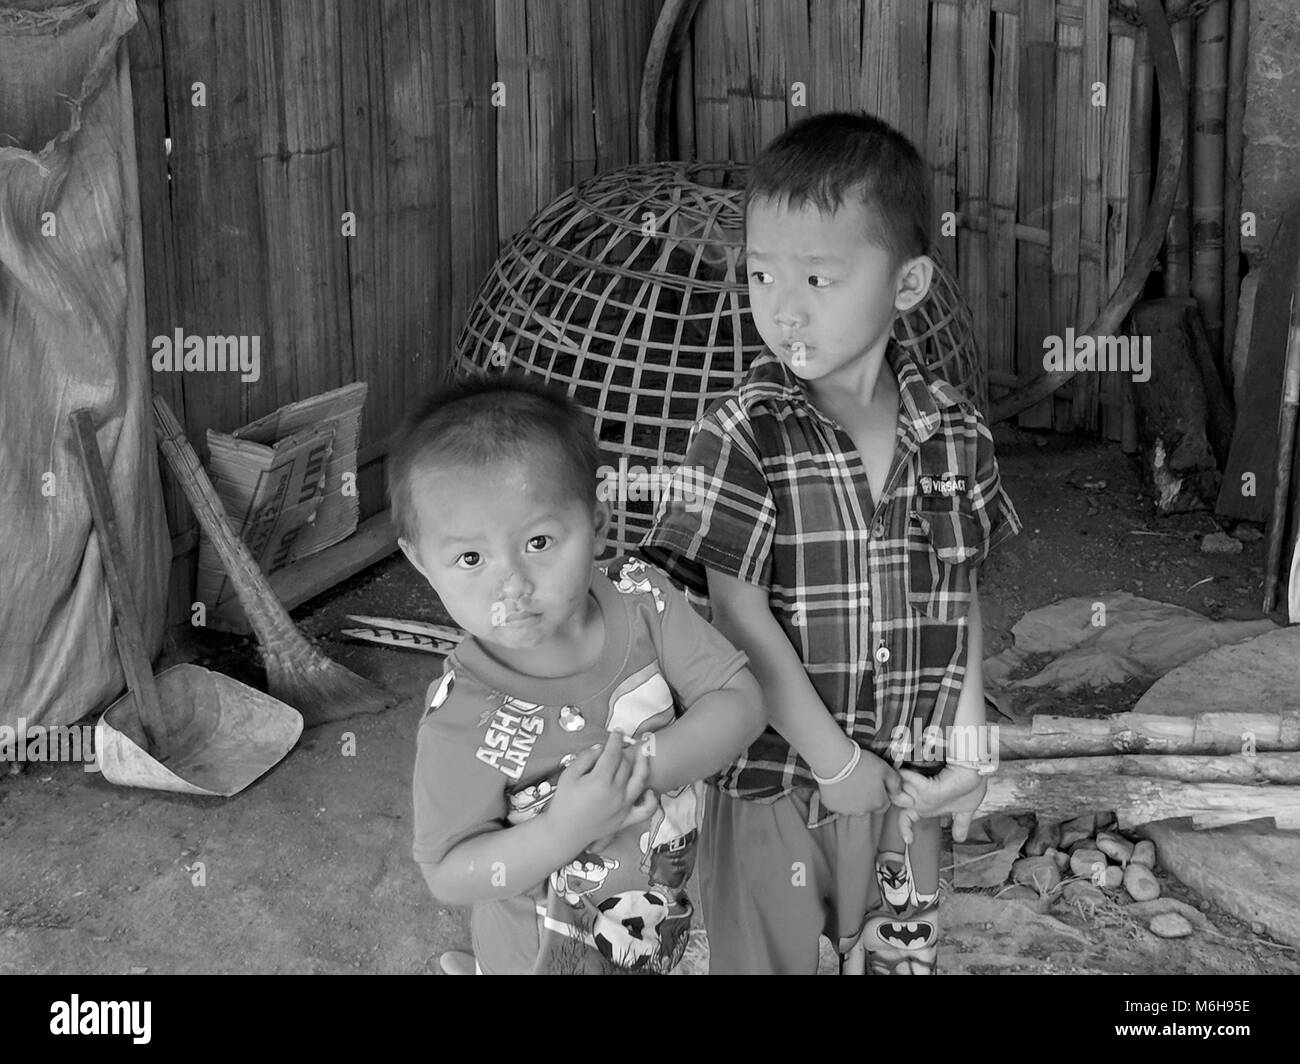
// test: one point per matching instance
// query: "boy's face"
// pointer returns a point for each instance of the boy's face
(509, 550)
(817, 280)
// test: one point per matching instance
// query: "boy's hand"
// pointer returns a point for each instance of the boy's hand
(599, 793)
(868, 789)
(954, 790)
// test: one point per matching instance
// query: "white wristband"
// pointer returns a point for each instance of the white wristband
(843, 773)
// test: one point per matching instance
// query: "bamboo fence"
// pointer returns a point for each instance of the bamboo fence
(1037, 119)
(437, 130)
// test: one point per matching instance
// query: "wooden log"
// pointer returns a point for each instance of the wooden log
(1255, 770)
(1134, 733)
(1208, 109)
(1058, 790)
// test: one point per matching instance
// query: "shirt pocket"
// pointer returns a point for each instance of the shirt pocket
(943, 542)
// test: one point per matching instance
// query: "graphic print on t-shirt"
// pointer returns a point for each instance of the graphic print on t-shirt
(512, 731)
(642, 703)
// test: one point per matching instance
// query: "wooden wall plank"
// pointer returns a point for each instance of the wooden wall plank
(1067, 178)
(1092, 107)
(1033, 265)
(973, 165)
(216, 203)
(295, 48)
(1119, 108)
(1004, 165)
(913, 69)
(945, 109)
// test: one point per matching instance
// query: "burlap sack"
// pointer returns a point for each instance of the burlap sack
(72, 334)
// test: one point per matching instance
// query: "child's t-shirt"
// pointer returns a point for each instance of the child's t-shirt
(874, 595)
(492, 745)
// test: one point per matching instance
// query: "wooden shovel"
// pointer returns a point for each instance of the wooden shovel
(127, 629)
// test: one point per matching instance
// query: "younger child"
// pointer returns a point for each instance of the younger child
(560, 758)
(849, 498)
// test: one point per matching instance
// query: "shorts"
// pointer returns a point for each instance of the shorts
(770, 886)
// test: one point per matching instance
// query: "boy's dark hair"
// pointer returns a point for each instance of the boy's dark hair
(825, 158)
(483, 419)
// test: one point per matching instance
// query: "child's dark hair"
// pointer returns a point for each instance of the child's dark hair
(825, 158)
(483, 419)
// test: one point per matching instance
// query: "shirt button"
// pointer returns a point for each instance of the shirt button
(878, 530)
(882, 653)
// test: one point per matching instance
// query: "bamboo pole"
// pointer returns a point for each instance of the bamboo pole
(1141, 790)
(1208, 110)
(1149, 733)
(1004, 160)
(1119, 116)
(1178, 237)
(1234, 143)
(1139, 192)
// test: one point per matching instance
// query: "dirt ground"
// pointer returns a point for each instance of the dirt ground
(309, 869)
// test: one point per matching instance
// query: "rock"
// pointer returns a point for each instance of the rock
(1116, 847)
(1247, 533)
(1040, 873)
(1078, 829)
(1061, 858)
(1141, 883)
(1220, 543)
(1106, 821)
(1144, 853)
(1170, 925)
(1113, 877)
(1045, 837)
(1190, 913)
(1004, 828)
(1084, 844)
(1025, 895)
(1089, 864)
(1080, 890)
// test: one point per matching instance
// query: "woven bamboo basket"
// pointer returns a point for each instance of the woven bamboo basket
(629, 290)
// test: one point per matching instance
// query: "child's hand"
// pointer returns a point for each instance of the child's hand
(599, 793)
(954, 790)
(868, 789)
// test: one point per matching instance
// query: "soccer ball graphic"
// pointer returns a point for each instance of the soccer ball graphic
(627, 927)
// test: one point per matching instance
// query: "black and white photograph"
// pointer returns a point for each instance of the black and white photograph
(650, 487)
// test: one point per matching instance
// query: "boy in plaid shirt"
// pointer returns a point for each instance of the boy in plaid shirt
(849, 498)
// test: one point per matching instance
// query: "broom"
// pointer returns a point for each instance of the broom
(297, 673)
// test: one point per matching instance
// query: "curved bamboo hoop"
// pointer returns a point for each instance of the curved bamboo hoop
(670, 31)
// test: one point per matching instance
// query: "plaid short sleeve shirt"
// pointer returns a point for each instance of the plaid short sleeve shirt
(874, 596)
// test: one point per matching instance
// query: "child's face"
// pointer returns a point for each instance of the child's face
(815, 279)
(508, 550)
